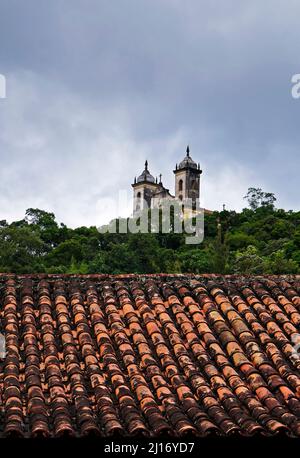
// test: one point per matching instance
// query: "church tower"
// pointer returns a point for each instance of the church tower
(187, 179)
(143, 189)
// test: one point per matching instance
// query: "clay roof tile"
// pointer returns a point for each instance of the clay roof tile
(149, 354)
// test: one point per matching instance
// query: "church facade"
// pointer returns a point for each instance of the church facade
(149, 192)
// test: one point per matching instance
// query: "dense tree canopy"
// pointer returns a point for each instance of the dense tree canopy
(260, 239)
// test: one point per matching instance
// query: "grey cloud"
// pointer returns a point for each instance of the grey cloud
(96, 87)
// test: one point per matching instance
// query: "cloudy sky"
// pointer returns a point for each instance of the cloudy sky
(94, 87)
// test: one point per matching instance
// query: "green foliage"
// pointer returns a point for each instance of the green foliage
(21, 249)
(248, 261)
(239, 240)
(260, 239)
(277, 263)
(257, 198)
(197, 261)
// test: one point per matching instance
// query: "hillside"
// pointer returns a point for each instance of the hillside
(260, 239)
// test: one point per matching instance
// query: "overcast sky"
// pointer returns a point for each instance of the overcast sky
(95, 87)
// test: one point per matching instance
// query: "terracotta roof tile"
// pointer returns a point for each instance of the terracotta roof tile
(149, 355)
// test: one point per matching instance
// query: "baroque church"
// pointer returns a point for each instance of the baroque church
(149, 192)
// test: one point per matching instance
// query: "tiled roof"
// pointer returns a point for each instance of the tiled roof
(149, 355)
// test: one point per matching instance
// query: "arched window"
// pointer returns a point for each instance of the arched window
(180, 197)
(138, 201)
(180, 184)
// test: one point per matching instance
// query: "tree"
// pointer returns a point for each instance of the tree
(239, 240)
(45, 223)
(264, 240)
(248, 261)
(145, 248)
(63, 254)
(40, 218)
(278, 264)
(20, 249)
(196, 261)
(118, 260)
(77, 268)
(257, 198)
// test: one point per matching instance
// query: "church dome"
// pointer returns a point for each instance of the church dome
(146, 175)
(187, 161)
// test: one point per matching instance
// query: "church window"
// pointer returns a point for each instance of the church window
(138, 201)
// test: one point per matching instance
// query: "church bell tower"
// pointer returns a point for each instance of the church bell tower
(143, 189)
(187, 179)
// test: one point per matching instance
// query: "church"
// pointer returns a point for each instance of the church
(149, 192)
